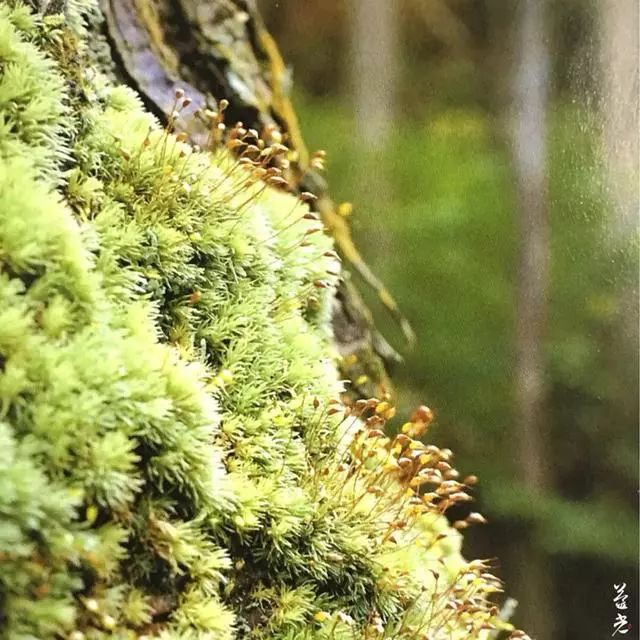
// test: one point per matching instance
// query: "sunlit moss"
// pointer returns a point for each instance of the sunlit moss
(168, 390)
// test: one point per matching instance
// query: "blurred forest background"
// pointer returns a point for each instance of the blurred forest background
(490, 150)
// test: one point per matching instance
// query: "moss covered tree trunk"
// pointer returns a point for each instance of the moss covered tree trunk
(175, 458)
(221, 50)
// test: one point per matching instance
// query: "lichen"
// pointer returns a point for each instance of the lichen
(174, 457)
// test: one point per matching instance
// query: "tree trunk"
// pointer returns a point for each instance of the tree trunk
(374, 70)
(530, 88)
(374, 73)
(620, 56)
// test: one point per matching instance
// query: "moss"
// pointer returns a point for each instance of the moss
(168, 385)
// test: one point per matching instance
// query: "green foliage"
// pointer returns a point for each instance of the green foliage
(173, 461)
(450, 215)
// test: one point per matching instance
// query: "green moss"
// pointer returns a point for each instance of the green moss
(167, 387)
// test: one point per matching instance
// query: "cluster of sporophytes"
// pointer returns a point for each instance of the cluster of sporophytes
(174, 458)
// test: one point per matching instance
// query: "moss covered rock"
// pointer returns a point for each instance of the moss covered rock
(174, 458)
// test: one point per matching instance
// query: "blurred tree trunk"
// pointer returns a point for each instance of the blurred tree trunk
(374, 73)
(374, 77)
(528, 144)
(620, 105)
(619, 58)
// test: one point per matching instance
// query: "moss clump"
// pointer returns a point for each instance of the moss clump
(173, 461)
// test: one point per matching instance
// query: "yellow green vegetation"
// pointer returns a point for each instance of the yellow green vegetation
(174, 458)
